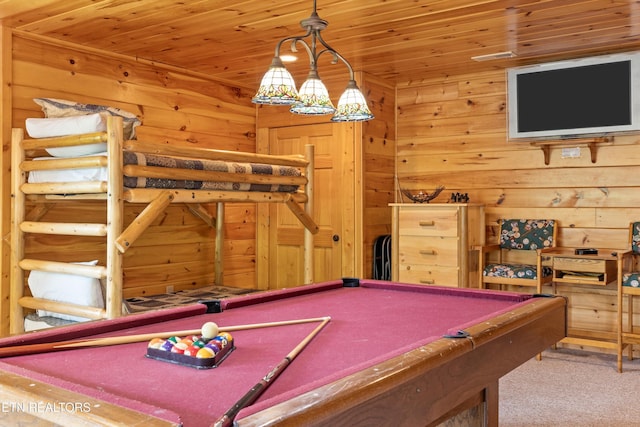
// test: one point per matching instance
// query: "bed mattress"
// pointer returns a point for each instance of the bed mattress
(153, 160)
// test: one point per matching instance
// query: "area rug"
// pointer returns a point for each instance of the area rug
(34, 322)
(190, 296)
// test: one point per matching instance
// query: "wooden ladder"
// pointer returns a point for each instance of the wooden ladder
(23, 223)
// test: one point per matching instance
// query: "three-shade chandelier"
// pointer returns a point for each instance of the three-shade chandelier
(279, 88)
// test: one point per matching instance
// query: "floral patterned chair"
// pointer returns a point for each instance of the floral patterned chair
(629, 286)
(517, 259)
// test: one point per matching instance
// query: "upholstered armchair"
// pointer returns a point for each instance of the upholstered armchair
(629, 286)
(517, 259)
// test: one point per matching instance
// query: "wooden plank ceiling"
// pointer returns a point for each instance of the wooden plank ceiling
(397, 40)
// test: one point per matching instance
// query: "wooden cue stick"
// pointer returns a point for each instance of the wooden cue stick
(252, 395)
(127, 339)
(21, 350)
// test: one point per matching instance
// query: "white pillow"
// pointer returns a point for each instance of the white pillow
(60, 126)
(75, 125)
(63, 287)
(62, 108)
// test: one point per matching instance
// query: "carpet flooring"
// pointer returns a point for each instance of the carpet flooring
(571, 388)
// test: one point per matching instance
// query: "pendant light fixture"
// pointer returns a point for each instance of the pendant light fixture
(279, 88)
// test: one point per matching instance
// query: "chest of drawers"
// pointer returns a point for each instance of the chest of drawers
(431, 243)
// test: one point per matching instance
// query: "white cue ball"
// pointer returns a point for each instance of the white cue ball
(210, 330)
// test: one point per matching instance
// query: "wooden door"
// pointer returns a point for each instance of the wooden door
(285, 251)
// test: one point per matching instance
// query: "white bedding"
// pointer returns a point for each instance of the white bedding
(68, 175)
(69, 288)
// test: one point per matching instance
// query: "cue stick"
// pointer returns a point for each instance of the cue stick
(21, 350)
(252, 395)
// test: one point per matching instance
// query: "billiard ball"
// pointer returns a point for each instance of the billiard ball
(179, 347)
(214, 345)
(199, 343)
(192, 350)
(205, 353)
(167, 345)
(227, 336)
(156, 343)
(186, 341)
(209, 330)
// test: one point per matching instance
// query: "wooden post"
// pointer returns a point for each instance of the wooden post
(70, 229)
(95, 271)
(17, 284)
(219, 261)
(143, 221)
(88, 312)
(83, 187)
(308, 207)
(395, 231)
(302, 215)
(115, 213)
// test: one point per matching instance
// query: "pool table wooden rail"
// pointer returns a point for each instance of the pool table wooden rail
(19, 394)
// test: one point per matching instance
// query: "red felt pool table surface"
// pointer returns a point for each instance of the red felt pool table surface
(381, 360)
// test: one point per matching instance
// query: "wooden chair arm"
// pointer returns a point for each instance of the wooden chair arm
(624, 254)
(541, 252)
(486, 248)
(625, 260)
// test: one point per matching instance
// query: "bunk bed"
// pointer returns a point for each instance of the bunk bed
(134, 171)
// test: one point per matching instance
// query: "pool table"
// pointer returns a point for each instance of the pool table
(392, 354)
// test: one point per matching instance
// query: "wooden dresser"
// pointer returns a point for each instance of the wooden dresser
(431, 243)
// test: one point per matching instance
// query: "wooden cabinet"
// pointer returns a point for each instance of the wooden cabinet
(586, 280)
(585, 269)
(431, 243)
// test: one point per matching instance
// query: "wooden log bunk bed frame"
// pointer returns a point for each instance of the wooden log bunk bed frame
(113, 192)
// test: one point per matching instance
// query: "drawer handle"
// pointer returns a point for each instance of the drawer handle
(428, 252)
(427, 223)
(427, 281)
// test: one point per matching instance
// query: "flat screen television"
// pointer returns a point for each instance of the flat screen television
(584, 97)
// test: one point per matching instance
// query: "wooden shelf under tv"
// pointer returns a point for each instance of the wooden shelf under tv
(592, 143)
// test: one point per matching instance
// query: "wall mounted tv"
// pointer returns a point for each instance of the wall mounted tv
(584, 97)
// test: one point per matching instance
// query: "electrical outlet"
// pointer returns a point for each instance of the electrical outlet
(571, 153)
(169, 289)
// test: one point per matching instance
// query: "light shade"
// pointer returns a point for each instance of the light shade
(352, 106)
(277, 86)
(313, 97)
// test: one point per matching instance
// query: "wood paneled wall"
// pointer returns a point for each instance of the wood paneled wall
(177, 251)
(452, 132)
(379, 152)
(5, 176)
